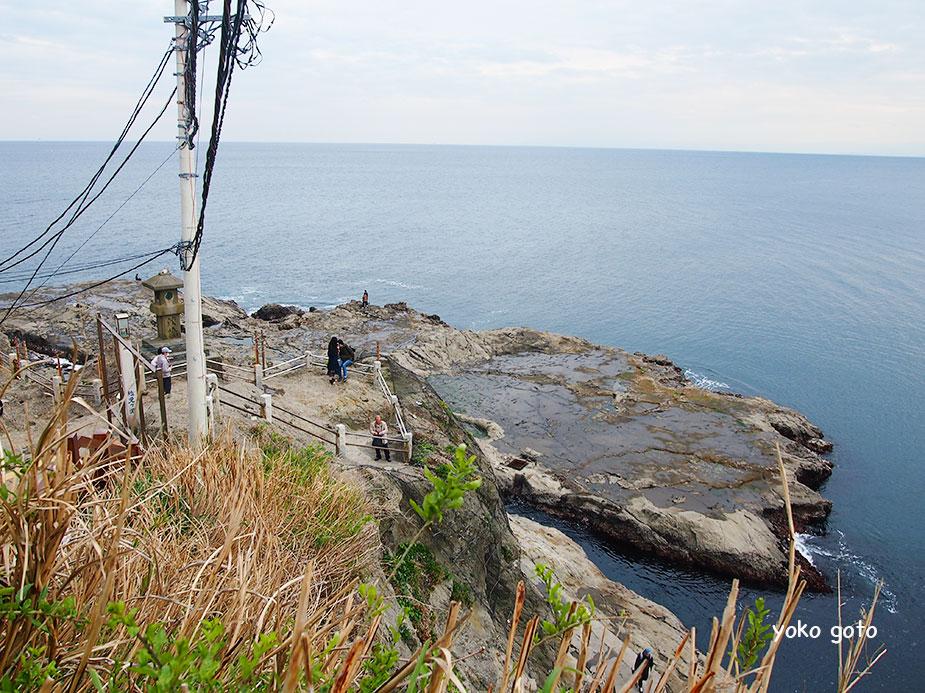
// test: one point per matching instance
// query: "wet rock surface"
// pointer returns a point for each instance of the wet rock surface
(630, 448)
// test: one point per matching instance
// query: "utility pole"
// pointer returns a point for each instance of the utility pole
(192, 291)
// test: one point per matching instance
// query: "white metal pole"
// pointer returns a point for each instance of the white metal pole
(192, 292)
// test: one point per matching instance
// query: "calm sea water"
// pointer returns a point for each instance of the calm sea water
(800, 278)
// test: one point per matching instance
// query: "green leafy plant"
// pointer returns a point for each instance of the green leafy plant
(565, 616)
(167, 661)
(422, 452)
(448, 493)
(461, 593)
(414, 575)
(756, 635)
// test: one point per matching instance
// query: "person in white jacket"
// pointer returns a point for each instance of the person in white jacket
(162, 361)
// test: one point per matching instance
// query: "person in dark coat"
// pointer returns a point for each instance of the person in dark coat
(333, 360)
(346, 355)
(644, 660)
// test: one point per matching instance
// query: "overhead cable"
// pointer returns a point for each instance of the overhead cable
(231, 53)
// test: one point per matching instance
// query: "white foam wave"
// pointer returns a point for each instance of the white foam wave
(802, 545)
(391, 282)
(844, 557)
(703, 381)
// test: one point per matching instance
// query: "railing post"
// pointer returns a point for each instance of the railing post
(341, 447)
(97, 386)
(377, 364)
(212, 394)
(162, 401)
(210, 413)
(266, 409)
(56, 383)
(258, 374)
(408, 440)
(308, 361)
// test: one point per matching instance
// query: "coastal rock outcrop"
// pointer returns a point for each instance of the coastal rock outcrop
(622, 442)
(274, 312)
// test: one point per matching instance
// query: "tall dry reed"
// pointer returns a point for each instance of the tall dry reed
(235, 567)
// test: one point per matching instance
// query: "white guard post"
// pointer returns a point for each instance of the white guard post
(409, 436)
(97, 386)
(129, 388)
(212, 396)
(341, 447)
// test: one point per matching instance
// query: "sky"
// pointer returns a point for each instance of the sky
(816, 76)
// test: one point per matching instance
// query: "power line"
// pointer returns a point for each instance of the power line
(159, 71)
(150, 258)
(106, 221)
(57, 236)
(76, 269)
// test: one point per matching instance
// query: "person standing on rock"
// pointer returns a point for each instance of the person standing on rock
(643, 659)
(333, 360)
(346, 356)
(365, 298)
(380, 430)
(162, 362)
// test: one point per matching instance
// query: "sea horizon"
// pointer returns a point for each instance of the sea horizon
(706, 150)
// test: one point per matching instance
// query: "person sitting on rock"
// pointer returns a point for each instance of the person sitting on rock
(643, 659)
(346, 356)
(380, 430)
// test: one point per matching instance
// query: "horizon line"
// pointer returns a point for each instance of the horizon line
(497, 146)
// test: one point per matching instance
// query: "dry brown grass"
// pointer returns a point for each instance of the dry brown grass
(225, 533)
(258, 544)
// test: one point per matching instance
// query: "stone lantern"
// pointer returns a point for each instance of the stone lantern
(167, 307)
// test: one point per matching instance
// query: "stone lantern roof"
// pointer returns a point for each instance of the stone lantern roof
(162, 281)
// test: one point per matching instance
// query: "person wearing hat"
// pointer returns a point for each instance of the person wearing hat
(643, 659)
(162, 361)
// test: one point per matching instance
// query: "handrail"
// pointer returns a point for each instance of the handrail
(232, 392)
(370, 435)
(127, 345)
(276, 407)
(267, 376)
(244, 409)
(225, 364)
(283, 363)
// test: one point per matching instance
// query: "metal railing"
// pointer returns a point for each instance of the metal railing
(270, 414)
(105, 390)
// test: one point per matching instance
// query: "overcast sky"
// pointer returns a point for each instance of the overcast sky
(830, 76)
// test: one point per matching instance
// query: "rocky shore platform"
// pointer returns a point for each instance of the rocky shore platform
(621, 442)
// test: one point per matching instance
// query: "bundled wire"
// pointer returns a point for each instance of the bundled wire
(232, 52)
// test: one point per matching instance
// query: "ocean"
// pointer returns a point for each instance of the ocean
(799, 278)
